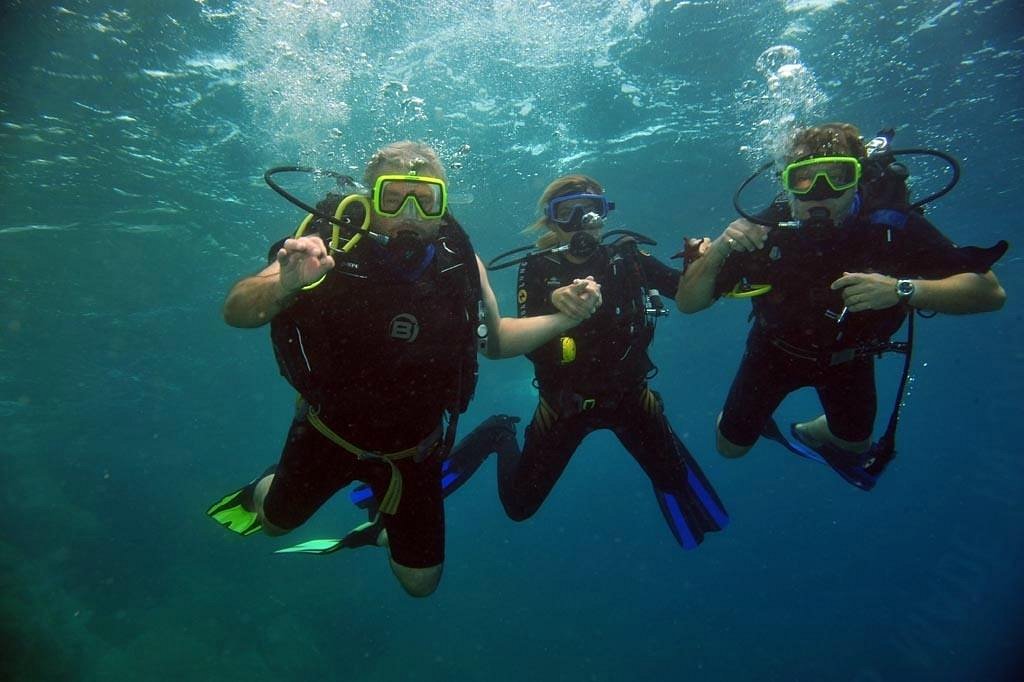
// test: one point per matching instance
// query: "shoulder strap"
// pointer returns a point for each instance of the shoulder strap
(455, 242)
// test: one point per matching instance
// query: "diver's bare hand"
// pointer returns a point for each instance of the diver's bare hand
(303, 261)
(703, 245)
(866, 291)
(578, 300)
(740, 235)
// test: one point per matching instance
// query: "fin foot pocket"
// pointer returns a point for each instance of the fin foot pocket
(861, 470)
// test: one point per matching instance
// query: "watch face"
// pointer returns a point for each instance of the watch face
(904, 287)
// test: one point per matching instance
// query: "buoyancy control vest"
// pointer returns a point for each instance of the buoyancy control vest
(365, 344)
(608, 350)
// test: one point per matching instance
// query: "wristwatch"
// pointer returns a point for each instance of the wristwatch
(904, 289)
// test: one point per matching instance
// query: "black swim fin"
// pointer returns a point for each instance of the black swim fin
(494, 434)
(695, 509)
(861, 470)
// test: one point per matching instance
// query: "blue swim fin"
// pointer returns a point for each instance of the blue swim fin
(695, 509)
(861, 470)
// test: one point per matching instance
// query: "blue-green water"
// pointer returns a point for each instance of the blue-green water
(132, 140)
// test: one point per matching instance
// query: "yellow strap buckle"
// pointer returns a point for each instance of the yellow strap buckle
(568, 350)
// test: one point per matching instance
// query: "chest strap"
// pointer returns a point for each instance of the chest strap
(391, 498)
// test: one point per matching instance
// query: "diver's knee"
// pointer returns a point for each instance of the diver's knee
(418, 582)
(272, 530)
(259, 493)
(726, 448)
(259, 496)
(517, 511)
(519, 514)
(269, 528)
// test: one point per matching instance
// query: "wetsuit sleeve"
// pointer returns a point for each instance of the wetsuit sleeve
(748, 265)
(929, 254)
(731, 273)
(660, 276)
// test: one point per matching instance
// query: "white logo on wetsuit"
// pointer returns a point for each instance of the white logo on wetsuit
(404, 327)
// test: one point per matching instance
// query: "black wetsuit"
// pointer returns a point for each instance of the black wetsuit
(604, 386)
(378, 360)
(800, 336)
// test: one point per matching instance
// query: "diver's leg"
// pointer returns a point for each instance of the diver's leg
(259, 496)
(850, 400)
(525, 481)
(415, 532)
(418, 582)
(237, 511)
(816, 433)
(310, 471)
(687, 500)
(726, 447)
(763, 380)
(497, 434)
(288, 493)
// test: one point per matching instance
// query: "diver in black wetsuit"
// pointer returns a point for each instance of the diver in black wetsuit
(835, 289)
(596, 375)
(379, 333)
